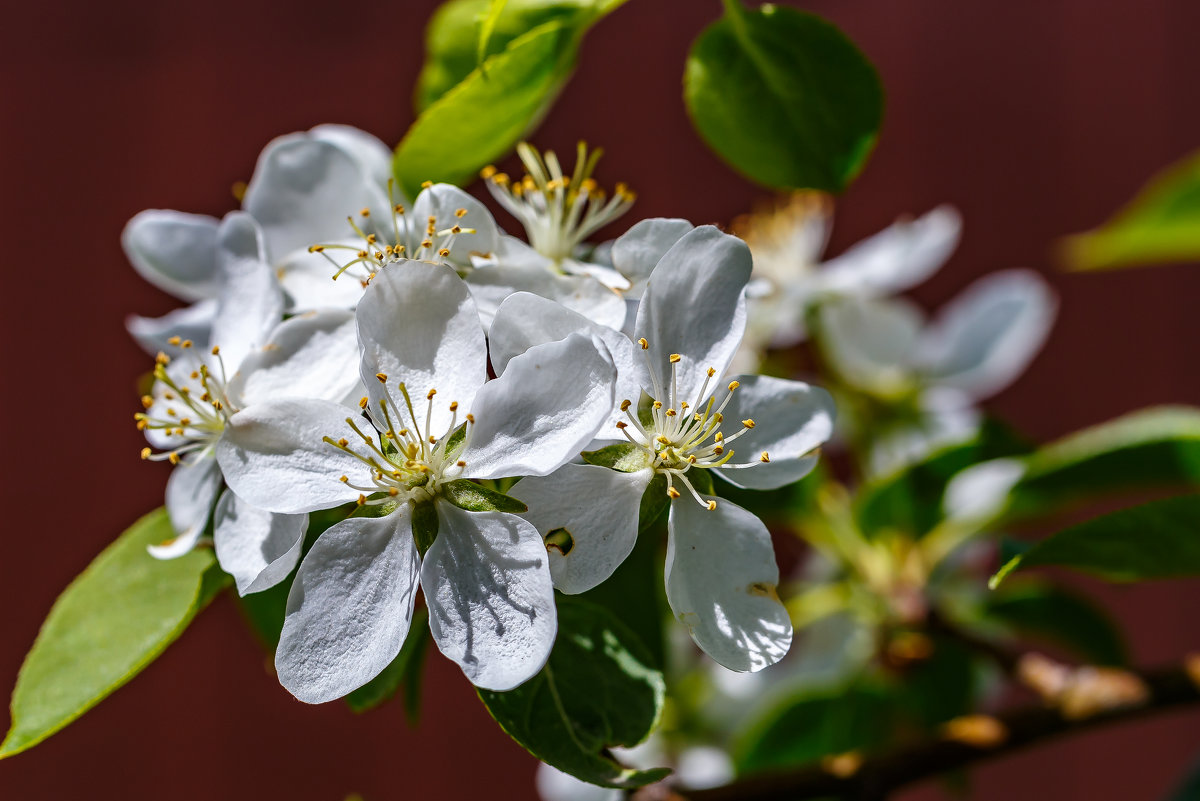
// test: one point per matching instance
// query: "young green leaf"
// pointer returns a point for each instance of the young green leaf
(783, 97)
(597, 691)
(1160, 225)
(403, 670)
(1155, 540)
(112, 621)
(466, 494)
(1046, 612)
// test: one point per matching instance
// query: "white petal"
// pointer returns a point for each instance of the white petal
(695, 306)
(872, 343)
(257, 548)
(640, 248)
(417, 324)
(721, 584)
(524, 320)
(250, 303)
(554, 785)
(274, 457)
(191, 492)
(442, 202)
(308, 283)
(545, 408)
(491, 603)
(986, 337)
(945, 417)
(981, 491)
(599, 509)
(314, 355)
(191, 322)
(373, 156)
(791, 419)
(303, 189)
(601, 272)
(898, 257)
(176, 252)
(350, 607)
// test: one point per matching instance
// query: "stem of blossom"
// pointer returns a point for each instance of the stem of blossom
(878, 776)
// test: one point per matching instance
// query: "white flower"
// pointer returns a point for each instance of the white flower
(257, 357)
(753, 431)
(302, 187)
(978, 344)
(787, 241)
(432, 420)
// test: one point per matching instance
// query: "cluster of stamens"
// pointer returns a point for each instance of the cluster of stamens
(680, 436)
(406, 463)
(408, 241)
(195, 414)
(559, 211)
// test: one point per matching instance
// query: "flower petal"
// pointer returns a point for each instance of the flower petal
(350, 607)
(791, 419)
(372, 155)
(695, 306)
(640, 248)
(986, 337)
(303, 188)
(491, 602)
(871, 342)
(257, 548)
(898, 257)
(314, 355)
(597, 507)
(191, 492)
(542, 411)
(524, 320)
(443, 202)
(308, 283)
(274, 457)
(721, 584)
(601, 272)
(250, 303)
(191, 322)
(176, 252)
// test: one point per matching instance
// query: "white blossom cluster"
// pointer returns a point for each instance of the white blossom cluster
(403, 362)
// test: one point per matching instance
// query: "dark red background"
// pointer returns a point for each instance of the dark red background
(1035, 118)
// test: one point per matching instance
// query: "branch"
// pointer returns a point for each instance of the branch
(878, 776)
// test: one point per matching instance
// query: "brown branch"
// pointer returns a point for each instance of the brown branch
(878, 776)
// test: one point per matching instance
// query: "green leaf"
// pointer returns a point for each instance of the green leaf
(783, 97)
(424, 526)
(1159, 226)
(623, 456)
(814, 723)
(466, 494)
(1155, 540)
(1064, 618)
(597, 691)
(403, 670)
(112, 621)
(941, 686)
(1158, 447)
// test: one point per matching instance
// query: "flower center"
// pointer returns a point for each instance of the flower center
(190, 406)
(559, 211)
(406, 463)
(407, 238)
(678, 436)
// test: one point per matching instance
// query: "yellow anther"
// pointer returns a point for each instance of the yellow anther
(364, 211)
(316, 249)
(718, 450)
(470, 418)
(621, 424)
(399, 209)
(683, 406)
(426, 184)
(382, 377)
(344, 479)
(642, 341)
(460, 213)
(625, 404)
(456, 229)
(734, 385)
(371, 239)
(675, 357)
(173, 457)
(425, 243)
(764, 458)
(658, 404)
(487, 172)
(662, 440)
(362, 254)
(430, 394)
(147, 401)
(361, 499)
(362, 403)
(162, 358)
(171, 412)
(672, 492)
(671, 412)
(748, 423)
(444, 252)
(185, 421)
(461, 463)
(454, 406)
(194, 374)
(343, 442)
(146, 453)
(712, 506)
(392, 491)
(711, 372)
(718, 437)
(174, 341)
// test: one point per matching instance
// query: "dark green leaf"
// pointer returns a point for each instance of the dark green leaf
(109, 624)
(941, 686)
(1062, 617)
(623, 456)
(466, 494)
(405, 668)
(814, 723)
(597, 691)
(1155, 540)
(1160, 225)
(783, 97)
(424, 525)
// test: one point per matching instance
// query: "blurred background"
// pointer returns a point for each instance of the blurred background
(1035, 119)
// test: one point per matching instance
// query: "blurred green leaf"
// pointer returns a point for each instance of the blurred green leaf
(783, 97)
(113, 620)
(597, 691)
(1160, 225)
(814, 723)
(1160, 539)
(403, 670)
(1059, 616)
(941, 686)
